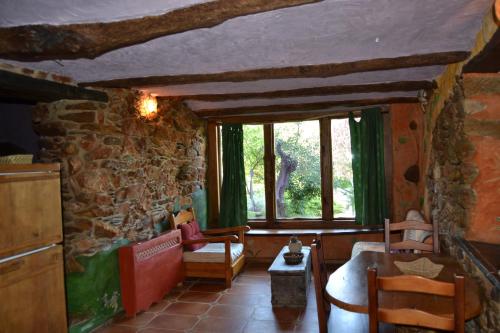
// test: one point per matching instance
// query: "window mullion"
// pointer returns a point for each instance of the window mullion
(269, 173)
(326, 169)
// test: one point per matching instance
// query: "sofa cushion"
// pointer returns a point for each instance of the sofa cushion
(191, 231)
(213, 252)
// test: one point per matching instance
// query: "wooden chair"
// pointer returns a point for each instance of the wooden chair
(410, 244)
(223, 256)
(320, 280)
(415, 317)
(409, 232)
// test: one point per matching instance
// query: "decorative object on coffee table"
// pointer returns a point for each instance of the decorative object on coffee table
(290, 283)
(295, 245)
(293, 258)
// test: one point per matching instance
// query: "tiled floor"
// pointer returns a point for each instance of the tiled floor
(245, 308)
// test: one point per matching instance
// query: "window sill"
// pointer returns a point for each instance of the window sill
(323, 231)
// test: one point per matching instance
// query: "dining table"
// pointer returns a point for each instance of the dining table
(347, 286)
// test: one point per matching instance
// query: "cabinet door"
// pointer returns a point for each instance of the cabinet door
(30, 211)
(32, 293)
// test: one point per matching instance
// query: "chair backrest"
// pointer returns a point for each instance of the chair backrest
(415, 317)
(320, 274)
(183, 216)
(411, 244)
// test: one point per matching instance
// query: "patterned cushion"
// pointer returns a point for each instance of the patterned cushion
(190, 231)
(213, 252)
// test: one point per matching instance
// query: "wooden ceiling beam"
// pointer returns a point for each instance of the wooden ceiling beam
(320, 71)
(284, 108)
(315, 91)
(279, 117)
(89, 40)
(25, 89)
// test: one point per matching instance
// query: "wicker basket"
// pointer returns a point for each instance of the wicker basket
(293, 258)
(16, 159)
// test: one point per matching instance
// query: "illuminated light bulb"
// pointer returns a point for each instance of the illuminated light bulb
(148, 108)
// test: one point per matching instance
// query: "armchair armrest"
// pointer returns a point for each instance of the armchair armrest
(240, 230)
(226, 230)
(228, 238)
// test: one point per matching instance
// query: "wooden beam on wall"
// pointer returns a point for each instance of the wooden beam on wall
(213, 181)
(285, 108)
(322, 70)
(18, 87)
(325, 130)
(317, 91)
(269, 173)
(89, 40)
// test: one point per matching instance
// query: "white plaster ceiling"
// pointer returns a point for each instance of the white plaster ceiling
(24, 12)
(332, 31)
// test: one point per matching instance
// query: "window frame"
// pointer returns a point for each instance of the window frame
(327, 220)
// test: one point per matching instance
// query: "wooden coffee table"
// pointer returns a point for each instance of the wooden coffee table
(347, 286)
(290, 283)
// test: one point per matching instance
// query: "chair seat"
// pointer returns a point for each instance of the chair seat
(213, 252)
(367, 246)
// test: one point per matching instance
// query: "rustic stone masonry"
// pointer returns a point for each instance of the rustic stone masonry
(121, 174)
(450, 186)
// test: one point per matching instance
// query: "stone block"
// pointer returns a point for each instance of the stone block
(290, 283)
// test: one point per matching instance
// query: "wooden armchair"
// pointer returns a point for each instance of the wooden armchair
(221, 257)
(415, 317)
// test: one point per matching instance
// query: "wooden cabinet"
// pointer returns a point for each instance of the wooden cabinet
(32, 295)
(30, 207)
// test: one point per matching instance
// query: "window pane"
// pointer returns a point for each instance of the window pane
(343, 193)
(253, 152)
(298, 175)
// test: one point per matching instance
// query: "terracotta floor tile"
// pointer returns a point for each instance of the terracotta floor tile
(245, 300)
(230, 311)
(116, 329)
(199, 296)
(259, 289)
(251, 279)
(158, 307)
(207, 287)
(173, 295)
(308, 327)
(184, 308)
(277, 314)
(268, 326)
(158, 330)
(173, 322)
(139, 320)
(220, 325)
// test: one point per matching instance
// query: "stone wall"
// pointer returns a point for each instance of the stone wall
(121, 175)
(455, 174)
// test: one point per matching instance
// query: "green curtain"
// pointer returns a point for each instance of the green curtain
(367, 148)
(233, 200)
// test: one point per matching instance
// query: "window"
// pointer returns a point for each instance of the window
(253, 152)
(298, 173)
(343, 190)
(309, 180)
